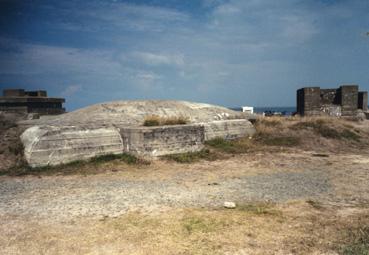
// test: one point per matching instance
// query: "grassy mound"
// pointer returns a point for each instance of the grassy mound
(322, 134)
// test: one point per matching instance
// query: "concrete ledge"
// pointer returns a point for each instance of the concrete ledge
(163, 140)
(228, 129)
(59, 145)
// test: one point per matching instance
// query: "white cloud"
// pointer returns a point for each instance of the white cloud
(226, 9)
(236, 47)
(71, 90)
(101, 16)
(159, 59)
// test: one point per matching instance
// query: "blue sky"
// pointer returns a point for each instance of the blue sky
(227, 52)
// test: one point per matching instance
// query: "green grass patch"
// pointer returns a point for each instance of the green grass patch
(196, 224)
(125, 157)
(259, 209)
(350, 135)
(358, 242)
(242, 145)
(77, 166)
(288, 141)
(190, 157)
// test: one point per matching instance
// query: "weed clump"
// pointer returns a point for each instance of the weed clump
(154, 120)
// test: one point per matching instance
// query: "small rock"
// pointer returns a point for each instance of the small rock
(230, 205)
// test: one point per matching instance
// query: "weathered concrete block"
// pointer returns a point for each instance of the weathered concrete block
(308, 101)
(50, 145)
(163, 140)
(349, 99)
(228, 129)
(363, 100)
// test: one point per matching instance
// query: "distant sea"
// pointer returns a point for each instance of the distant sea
(272, 109)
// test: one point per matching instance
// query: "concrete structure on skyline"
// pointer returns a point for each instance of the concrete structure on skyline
(21, 101)
(346, 100)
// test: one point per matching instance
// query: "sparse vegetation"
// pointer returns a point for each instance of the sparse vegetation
(315, 204)
(286, 141)
(198, 224)
(206, 231)
(350, 135)
(78, 166)
(261, 208)
(191, 157)
(154, 120)
(242, 145)
(323, 128)
(358, 241)
(279, 133)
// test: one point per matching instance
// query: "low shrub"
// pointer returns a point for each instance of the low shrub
(154, 120)
(151, 121)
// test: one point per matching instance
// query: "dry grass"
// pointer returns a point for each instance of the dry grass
(322, 134)
(312, 133)
(155, 120)
(295, 228)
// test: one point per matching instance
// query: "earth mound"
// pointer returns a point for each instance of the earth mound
(133, 113)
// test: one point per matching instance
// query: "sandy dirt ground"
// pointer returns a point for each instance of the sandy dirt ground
(290, 202)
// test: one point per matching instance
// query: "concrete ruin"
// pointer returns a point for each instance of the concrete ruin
(21, 101)
(117, 127)
(346, 101)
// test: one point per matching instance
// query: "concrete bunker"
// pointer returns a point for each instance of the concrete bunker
(345, 101)
(21, 101)
(116, 127)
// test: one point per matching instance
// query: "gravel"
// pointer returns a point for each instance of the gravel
(63, 197)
